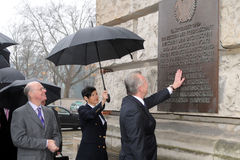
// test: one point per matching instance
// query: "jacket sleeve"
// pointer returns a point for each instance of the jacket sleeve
(57, 136)
(157, 98)
(87, 114)
(134, 129)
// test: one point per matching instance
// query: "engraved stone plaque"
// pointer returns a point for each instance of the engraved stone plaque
(188, 40)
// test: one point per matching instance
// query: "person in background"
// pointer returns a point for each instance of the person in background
(137, 125)
(93, 126)
(7, 149)
(34, 128)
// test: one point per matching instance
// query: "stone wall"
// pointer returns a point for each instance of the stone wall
(146, 26)
(183, 137)
(229, 58)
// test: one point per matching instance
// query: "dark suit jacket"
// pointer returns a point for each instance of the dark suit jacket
(29, 135)
(7, 149)
(137, 127)
(92, 146)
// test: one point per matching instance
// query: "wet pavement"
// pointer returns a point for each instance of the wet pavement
(68, 150)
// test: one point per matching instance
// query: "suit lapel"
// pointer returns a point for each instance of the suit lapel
(144, 108)
(33, 114)
(98, 118)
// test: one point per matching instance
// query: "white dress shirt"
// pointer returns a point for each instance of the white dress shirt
(35, 107)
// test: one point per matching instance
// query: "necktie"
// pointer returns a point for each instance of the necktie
(40, 115)
(6, 113)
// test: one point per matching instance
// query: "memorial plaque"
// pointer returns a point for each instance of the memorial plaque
(188, 39)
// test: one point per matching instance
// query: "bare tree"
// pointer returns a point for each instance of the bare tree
(23, 56)
(43, 28)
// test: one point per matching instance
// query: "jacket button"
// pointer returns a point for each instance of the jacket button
(103, 147)
(100, 136)
(104, 136)
(99, 146)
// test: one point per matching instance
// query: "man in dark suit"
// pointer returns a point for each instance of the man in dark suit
(7, 149)
(93, 126)
(137, 125)
(34, 128)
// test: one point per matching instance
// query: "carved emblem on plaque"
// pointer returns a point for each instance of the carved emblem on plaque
(184, 10)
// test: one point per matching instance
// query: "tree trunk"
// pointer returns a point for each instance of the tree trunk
(67, 90)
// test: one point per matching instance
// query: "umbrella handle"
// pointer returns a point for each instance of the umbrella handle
(109, 98)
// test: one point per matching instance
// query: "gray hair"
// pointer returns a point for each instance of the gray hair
(26, 90)
(132, 82)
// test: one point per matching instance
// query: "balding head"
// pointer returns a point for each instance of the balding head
(28, 87)
(35, 92)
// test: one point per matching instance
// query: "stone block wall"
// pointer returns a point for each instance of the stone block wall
(187, 137)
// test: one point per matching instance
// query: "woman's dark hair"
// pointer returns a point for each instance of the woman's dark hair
(87, 91)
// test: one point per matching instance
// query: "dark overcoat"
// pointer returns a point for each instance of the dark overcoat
(137, 127)
(92, 146)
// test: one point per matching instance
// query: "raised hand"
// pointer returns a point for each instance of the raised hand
(104, 96)
(178, 79)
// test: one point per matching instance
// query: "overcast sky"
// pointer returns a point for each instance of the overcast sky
(9, 10)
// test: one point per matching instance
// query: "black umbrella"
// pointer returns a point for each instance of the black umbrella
(12, 96)
(95, 44)
(8, 75)
(3, 62)
(5, 41)
(5, 53)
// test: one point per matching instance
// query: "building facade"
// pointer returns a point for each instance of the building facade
(183, 135)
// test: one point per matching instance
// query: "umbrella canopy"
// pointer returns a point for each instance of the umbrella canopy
(95, 44)
(5, 41)
(3, 62)
(82, 47)
(5, 53)
(12, 96)
(8, 75)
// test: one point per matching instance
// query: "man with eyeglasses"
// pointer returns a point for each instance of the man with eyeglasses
(34, 128)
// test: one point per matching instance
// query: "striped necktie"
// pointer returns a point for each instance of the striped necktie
(40, 115)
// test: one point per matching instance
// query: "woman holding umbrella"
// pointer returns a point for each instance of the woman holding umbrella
(93, 126)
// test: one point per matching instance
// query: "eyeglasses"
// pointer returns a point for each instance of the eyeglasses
(41, 89)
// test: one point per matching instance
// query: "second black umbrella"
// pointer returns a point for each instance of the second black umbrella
(5, 41)
(8, 75)
(6, 54)
(12, 96)
(3, 62)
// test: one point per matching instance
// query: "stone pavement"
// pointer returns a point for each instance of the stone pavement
(68, 149)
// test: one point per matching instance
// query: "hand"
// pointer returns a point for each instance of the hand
(52, 146)
(104, 96)
(178, 79)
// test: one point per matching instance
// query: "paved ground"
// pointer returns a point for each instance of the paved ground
(68, 145)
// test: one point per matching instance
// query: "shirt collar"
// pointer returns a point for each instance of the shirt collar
(91, 105)
(140, 100)
(33, 105)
